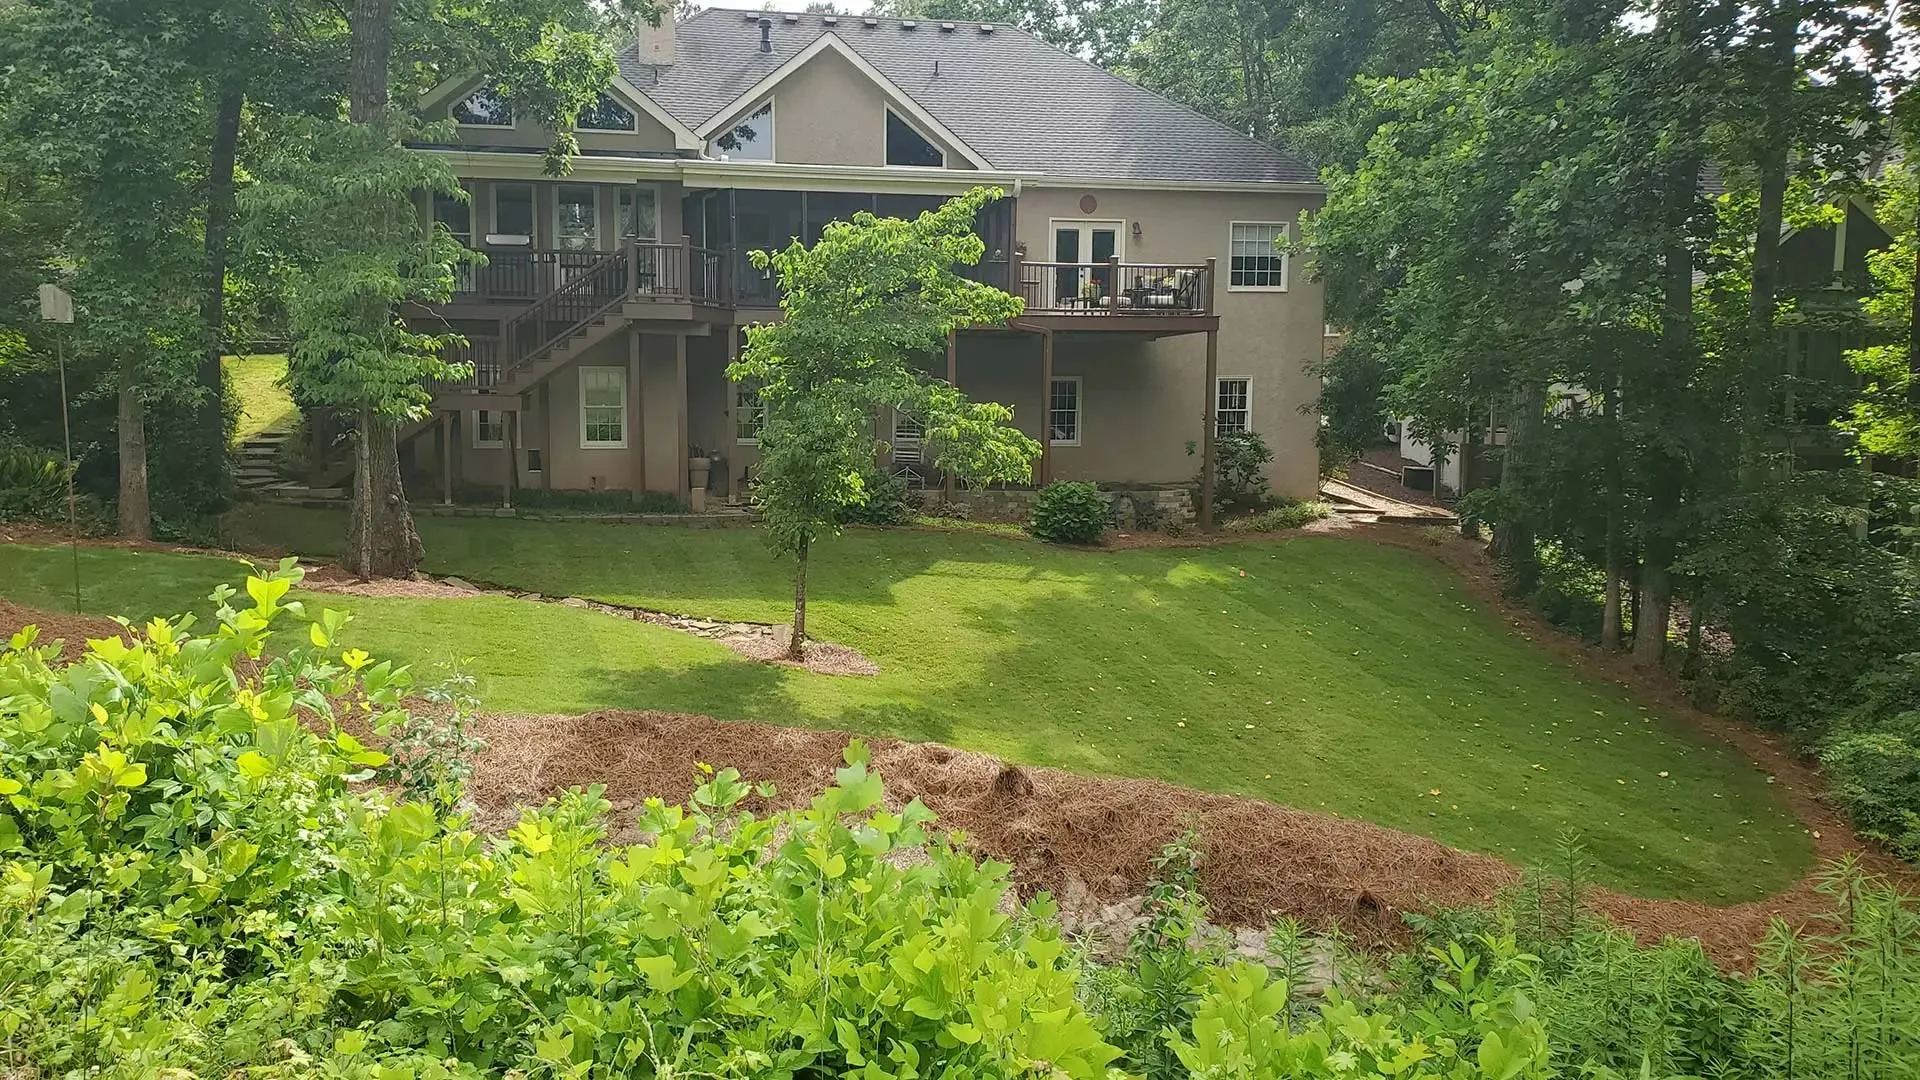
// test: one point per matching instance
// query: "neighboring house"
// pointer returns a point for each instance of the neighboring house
(1146, 240)
(1823, 277)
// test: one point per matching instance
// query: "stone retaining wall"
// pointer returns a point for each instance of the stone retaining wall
(1132, 508)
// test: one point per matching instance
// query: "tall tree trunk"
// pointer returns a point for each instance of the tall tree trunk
(1666, 467)
(1614, 557)
(1770, 158)
(1513, 537)
(384, 541)
(796, 647)
(213, 301)
(136, 512)
(382, 525)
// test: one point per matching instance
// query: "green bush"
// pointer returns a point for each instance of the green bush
(191, 880)
(33, 485)
(1070, 512)
(1288, 515)
(886, 501)
(1239, 469)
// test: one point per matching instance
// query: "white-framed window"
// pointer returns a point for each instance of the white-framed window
(489, 429)
(749, 414)
(1257, 256)
(1233, 406)
(749, 139)
(603, 408)
(607, 114)
(486, 107)
(513, 210)
(906, 146)
(1063, 411)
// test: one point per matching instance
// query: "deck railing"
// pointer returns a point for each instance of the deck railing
(659, 271)
(1116, 288)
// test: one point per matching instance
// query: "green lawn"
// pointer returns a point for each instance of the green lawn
(265, 405)
(1316, 672)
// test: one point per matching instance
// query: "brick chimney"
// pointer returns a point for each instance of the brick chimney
(656, 42)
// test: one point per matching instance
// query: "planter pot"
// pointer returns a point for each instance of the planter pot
(697, 470)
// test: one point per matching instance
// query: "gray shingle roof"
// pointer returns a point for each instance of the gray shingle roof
(1019, 102)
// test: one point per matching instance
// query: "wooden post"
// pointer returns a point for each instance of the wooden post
(732, 413)
(1213, 277)
(1206, 428)
(446, 458)
(1014, 286)
(1046, 409)
(1113, 283)
(459, 450)
(685, 288)
(636, 424)
(680, 427)
(511, 474)
(953, 380)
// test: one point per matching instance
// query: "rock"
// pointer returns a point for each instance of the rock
(574, 602)
(458, 583)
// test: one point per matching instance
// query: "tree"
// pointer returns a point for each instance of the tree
(343, 184)
(862, 304)
(102, 103)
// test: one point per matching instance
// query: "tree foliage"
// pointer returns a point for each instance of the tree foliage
(863, 304)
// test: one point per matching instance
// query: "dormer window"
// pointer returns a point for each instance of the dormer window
(906, 146)
(748, 139)
(485, 107)
(607, 114)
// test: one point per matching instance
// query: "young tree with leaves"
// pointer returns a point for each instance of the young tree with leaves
(862, 304)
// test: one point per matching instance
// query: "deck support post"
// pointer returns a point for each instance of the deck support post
(680, 401)
(636, 405)
(510, 475)
(446, 458)
(953, 380)
(732, 413)
(1045, 475)
(1207, 422)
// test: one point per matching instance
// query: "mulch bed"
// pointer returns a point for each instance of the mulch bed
(73, 631)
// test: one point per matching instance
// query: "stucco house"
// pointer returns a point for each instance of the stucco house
(1146, 240)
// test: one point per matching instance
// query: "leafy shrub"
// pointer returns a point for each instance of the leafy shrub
(1070, 512)
(1873, 760)
(33, 485)
(886, 501)
(190, 881)
(1288, 515)
(1239, 469)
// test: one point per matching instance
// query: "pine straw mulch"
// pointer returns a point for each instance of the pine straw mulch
(72, 631)
(1054, 826)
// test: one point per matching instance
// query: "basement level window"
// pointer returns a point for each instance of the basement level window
(906, 146)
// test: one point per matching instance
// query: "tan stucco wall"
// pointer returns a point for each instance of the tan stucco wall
(829, 113)
(1268, 337)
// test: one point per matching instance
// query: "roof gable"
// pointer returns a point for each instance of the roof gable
(829, 41)
(1013, 101)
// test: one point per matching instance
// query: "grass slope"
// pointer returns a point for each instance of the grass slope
(265, 405)
(1315, 672)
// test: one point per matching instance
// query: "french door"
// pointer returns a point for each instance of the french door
(1087, 245)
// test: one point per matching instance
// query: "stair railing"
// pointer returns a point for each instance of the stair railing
(585, 296)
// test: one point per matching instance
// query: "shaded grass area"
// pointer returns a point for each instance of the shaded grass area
(265, 405)
(1316, 672)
